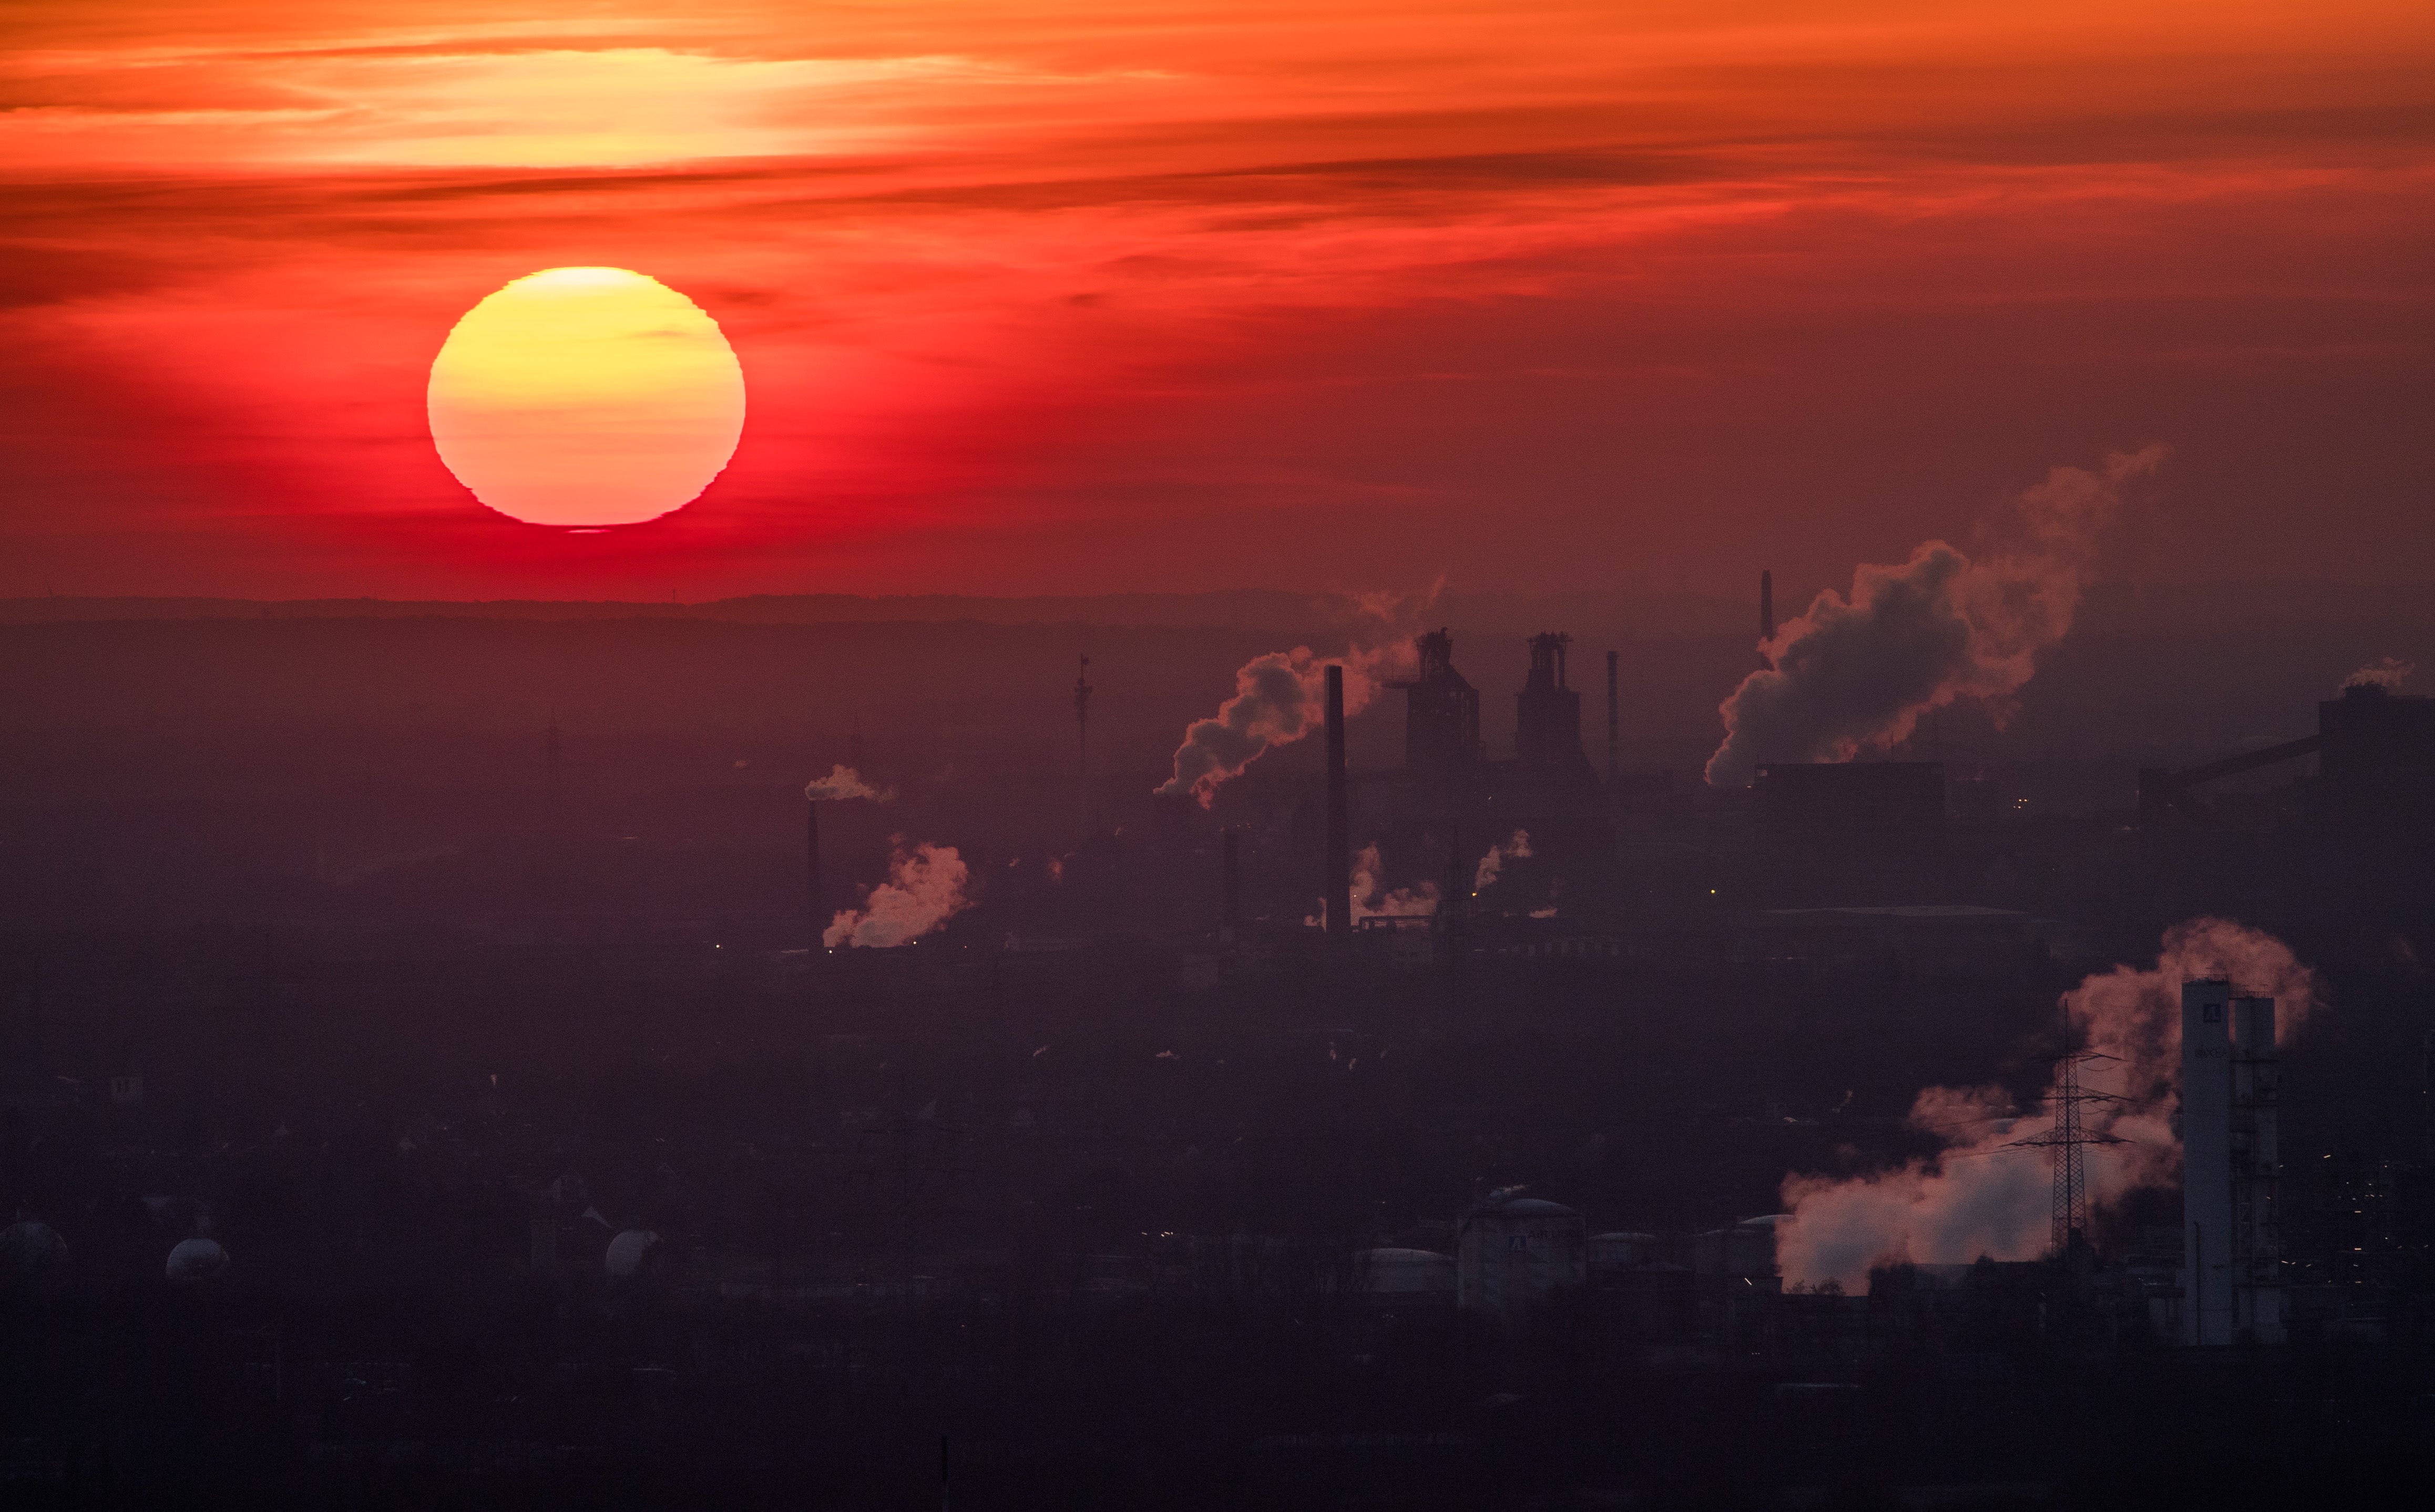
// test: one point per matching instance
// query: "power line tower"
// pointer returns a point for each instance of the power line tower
(2067, 1137)
(1082, 739)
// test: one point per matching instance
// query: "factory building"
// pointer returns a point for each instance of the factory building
(1441, 713)
(1547, 710)
(2232, 1289)
(2375, 763)
(1549, 787)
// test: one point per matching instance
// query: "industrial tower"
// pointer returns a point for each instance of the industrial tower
(2232, 1252)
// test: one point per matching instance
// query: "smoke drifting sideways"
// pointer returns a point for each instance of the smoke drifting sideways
(1492, 866)
(1855, 674)
(2388, 673)
(1280, 697)
(1975, 1197)
(845, 783)
(925, 888)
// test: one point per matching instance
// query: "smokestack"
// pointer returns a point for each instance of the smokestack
(1338, 877)
(1082, 741)
(812, 861)
(2206, 1162)
(1230, 907)
(1613, 730)
(1766, 604)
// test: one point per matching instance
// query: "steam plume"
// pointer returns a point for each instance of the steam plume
(1975, 1197)
(1277, 701)
(925, 888)
(844, 782)
(1856, 673)
(1278, 697)
(1369, 901)
(2388, 673)
(1492, 866)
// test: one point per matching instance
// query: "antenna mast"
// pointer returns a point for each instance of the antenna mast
(1083, 740)
(2066, 1139)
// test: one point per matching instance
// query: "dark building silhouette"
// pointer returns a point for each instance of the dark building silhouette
(1547, 710)
(1441, 712)
(1843, 801)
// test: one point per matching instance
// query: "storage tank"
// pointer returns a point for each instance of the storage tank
(33, 1258)
(197, 1260)
(1515, 1252)
(1621, 1250)
(1401, 1276)
(1747, 1249)
(628, 1252)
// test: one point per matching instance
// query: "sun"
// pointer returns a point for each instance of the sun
(586, 397)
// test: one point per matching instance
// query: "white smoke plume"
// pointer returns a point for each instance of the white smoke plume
(1976, 1198)
(1856, 673)
(1492, 866)
(2388, 673)
(925, 888)
(1371, 902)
(844, 782)
(1281, 697)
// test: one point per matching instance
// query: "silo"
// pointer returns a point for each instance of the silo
(1516, 1252)
(1401, 1278)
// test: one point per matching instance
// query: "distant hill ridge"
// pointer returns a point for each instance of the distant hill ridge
(2107, 609)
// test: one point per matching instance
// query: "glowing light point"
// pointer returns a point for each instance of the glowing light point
(586, 397)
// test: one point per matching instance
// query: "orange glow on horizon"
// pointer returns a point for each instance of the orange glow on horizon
(1075, 293)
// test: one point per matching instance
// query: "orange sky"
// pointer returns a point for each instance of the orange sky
(1067, 298)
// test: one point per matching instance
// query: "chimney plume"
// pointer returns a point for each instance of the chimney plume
(1856, 673)
(1766, 607)
(1337, 910)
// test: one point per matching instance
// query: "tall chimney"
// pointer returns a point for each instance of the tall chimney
(1613, 730)
(812, 860)
(1082, 742)
(1230, 906)
(1766, 606)
(1338, 876)
(2207, 1267)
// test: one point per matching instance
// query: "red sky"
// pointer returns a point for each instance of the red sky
(1073, 296)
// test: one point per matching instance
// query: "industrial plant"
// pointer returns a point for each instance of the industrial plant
(585, 1097)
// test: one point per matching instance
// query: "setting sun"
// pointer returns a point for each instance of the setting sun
(585, 397)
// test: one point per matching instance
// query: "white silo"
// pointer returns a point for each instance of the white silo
(2232, 1287)
(1515, 1252)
